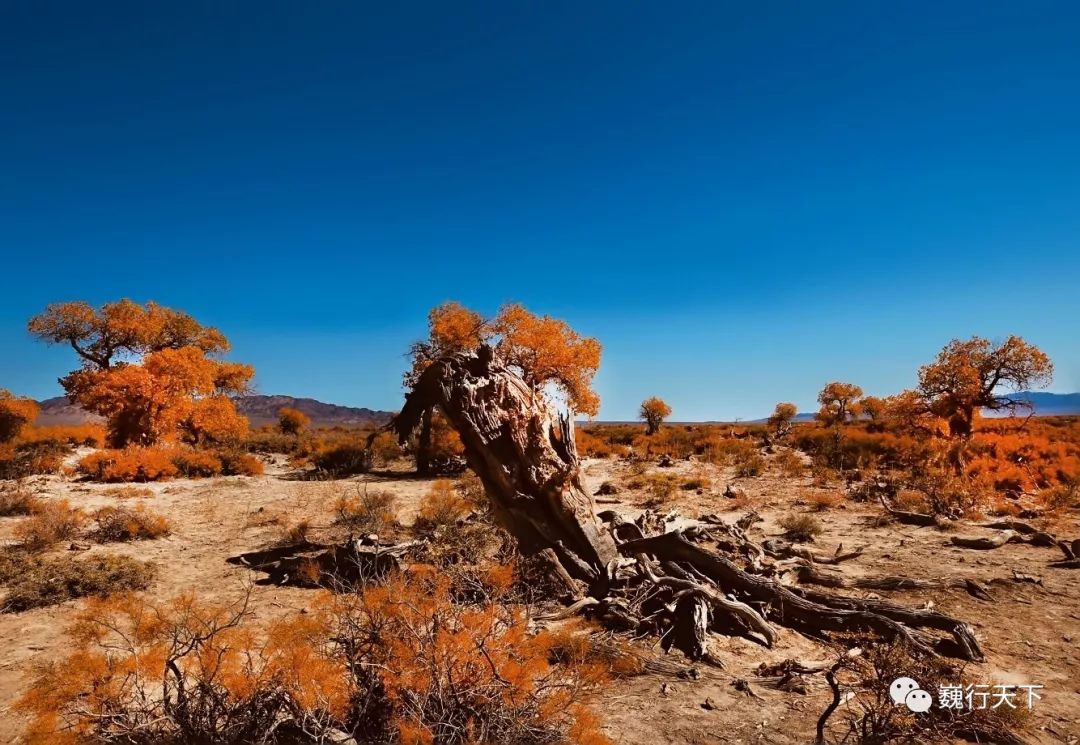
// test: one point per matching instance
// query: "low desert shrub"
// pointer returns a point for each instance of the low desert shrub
(442, 505)
(24, 459)
(366, 511)
(238, 463)
(346, 459)
(16, 499)
(749, 463)
(130, 464)
(822, 501)
(403, 662)
(124, 524)
(197, 463)
(77, 435)
(800, 527)
(41, 581)
(658, 487)
(872, 717)
(789, 464)
(697, 482)
(51, 522)
(128, 492)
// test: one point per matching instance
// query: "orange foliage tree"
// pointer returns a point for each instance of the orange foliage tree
(839, 403)
(149, 370)
(15, 414)
(653, 411)
(451, 328)
(782, 416)
(970, 375)
(292, 421)
(544, 350)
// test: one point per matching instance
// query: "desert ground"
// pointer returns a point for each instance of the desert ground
(1028, 630)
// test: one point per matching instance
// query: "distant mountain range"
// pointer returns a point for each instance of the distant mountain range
(1046, 404)
(257, 408)
(263, 410)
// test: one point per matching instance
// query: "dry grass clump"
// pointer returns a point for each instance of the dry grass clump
(578, 644)
(366, 512)
(801, 527)
(23, 459)
(294, 533)
(823, 501)
(343, 459)
(697, 482)
(789, 464)
(16, 499)
(36, 581)
(658, 487)
(50, 523)
(124, 524)
(128, 492)
(443, 505)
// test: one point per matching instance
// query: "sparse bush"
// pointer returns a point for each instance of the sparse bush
(749, 463)
(442, 505)
(366, 512)
(822, 501)
(50, 523)
(16, 499)
(237, 463)
(790, 464)
(38, 458)
(295, 533)
(801, 527)
(346, 459)
(874, 718)
(41, 582)
(584, 646)
(402, 662)
(658, 487)
(123, 524)
(697, 482)
(197, 463)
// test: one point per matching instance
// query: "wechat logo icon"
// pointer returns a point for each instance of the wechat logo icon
(906, 691)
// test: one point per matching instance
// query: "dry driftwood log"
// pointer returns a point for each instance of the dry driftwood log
(669, 584)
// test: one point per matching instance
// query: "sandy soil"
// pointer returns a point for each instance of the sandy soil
(1029, 632)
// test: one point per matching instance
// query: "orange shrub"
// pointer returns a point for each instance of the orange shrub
(236, 463)
(50, 523)
(197, 463)
(78, 435)
(123, 524)
(129, 464)
(366, 511)
(442, 505)
(400, 663)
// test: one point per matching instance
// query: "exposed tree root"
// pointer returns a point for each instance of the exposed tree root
(631, 578)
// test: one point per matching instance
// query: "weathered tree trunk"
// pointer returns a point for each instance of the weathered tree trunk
(669, 584)
(423, 443)
(526, 457)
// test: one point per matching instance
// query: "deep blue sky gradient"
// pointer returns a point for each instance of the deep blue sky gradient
(742, 201)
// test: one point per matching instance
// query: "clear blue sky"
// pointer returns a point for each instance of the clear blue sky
(742, 201)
